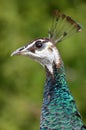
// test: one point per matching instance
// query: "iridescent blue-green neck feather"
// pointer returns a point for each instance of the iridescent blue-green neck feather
(59, 111)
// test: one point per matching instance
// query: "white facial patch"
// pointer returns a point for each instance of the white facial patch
(48, 56)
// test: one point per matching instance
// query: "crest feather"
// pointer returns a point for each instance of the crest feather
(63, 26)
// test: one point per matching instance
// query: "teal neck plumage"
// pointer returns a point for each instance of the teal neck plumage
(59, 111)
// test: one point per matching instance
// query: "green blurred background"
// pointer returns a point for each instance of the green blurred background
(22, 79)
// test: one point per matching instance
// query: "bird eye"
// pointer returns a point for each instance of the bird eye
(38, 44)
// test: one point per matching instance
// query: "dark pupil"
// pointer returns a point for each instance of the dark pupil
(38, 44)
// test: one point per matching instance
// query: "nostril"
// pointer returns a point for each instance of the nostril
(21, 48)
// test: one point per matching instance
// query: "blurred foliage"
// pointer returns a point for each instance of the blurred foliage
(21, 79)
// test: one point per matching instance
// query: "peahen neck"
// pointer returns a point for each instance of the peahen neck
(59, 111)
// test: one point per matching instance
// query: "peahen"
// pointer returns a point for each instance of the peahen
(59, 111)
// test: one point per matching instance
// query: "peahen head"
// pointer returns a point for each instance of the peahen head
(58, 110)
(41, 50)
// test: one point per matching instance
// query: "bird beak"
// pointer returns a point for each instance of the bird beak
(19, 51)
(25, 50)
